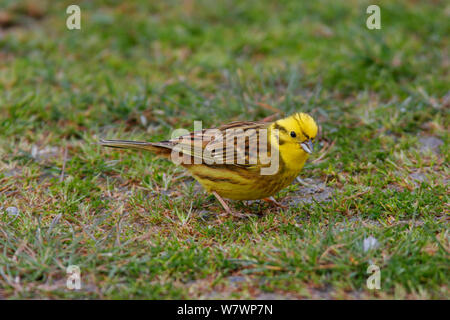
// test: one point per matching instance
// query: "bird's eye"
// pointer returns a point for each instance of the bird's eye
(293, 135)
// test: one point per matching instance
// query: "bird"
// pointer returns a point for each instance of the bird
(241, 160)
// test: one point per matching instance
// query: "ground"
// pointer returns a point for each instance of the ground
(374, 193)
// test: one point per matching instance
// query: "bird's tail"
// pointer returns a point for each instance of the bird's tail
(156, 147)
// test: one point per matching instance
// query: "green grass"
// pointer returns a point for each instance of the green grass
(139, 228)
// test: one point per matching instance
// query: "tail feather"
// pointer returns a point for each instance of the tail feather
(156, 147)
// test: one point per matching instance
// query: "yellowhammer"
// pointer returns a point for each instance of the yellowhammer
(243, 160)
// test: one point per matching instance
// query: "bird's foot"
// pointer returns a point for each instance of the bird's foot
(226, 207)
(275, 202)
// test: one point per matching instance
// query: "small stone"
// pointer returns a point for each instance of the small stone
(370, 243)
(236, 279)
(12, 212)
(143, 120)
(34, 152)
(417, 178)
(430, 144)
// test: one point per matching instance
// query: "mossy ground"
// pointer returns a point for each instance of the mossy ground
(139, 228)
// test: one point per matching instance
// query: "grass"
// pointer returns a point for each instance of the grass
(139, 228)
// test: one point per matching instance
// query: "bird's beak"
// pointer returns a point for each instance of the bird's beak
(307, 146)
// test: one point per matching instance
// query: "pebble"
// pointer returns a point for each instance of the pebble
(370, 243)
(12, 211)
(430, 144)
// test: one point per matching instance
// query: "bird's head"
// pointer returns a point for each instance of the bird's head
(296, 132)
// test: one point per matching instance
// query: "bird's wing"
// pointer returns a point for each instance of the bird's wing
(234, 143)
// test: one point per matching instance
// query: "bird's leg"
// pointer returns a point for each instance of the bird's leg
(275, 202)
(222, 202)
(225, 206)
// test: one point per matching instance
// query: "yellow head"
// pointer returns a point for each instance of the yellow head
(296, 135)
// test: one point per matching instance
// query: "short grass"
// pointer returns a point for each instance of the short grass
(138, 227)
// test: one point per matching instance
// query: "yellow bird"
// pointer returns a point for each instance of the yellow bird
(244, 160)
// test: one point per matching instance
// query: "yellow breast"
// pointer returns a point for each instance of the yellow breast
(247, 183)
